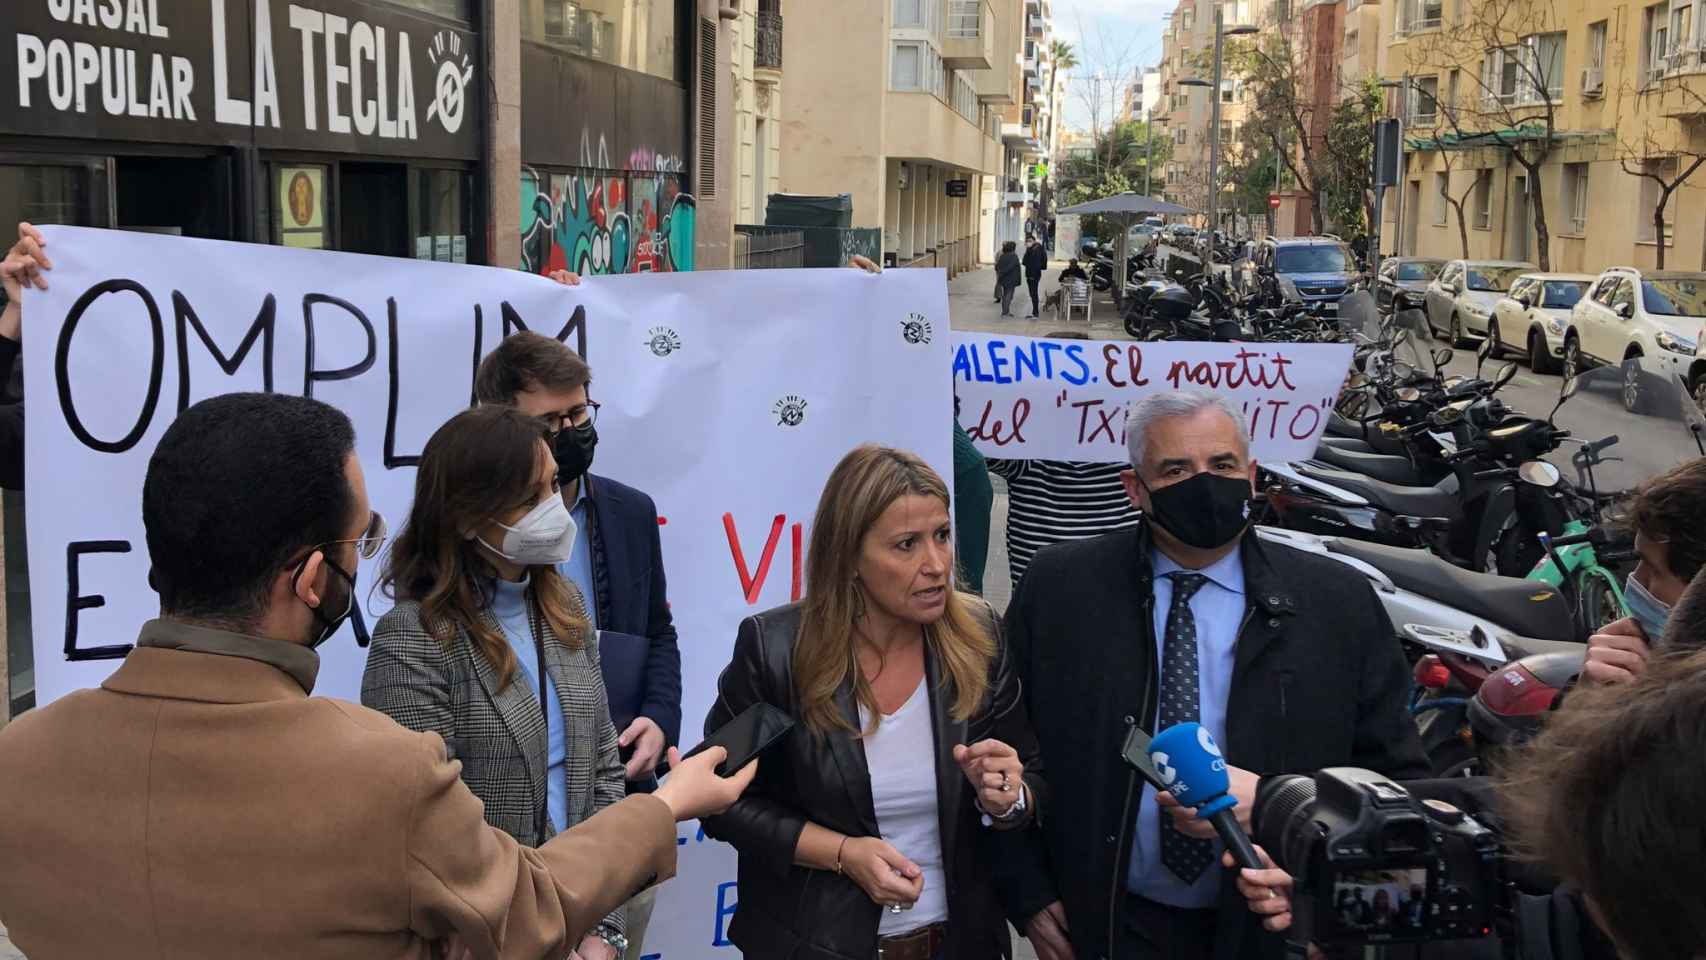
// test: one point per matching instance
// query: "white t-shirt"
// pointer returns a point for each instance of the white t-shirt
(901, 756)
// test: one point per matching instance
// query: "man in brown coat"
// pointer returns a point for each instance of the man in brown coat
(201, 804)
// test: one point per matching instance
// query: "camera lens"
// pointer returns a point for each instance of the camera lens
(1282, 821)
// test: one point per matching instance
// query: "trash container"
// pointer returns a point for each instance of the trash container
(798, 210)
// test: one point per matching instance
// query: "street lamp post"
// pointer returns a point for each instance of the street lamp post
(1220, 33)
(1148, 150)
(1402, 85)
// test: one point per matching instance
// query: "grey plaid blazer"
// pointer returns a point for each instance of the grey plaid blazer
(500, 735)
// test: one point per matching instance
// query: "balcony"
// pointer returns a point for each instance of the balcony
(1033, 6)
(1038, 26)
(970, 42)
(1028, 61)
(1017, 134)
(767, 47)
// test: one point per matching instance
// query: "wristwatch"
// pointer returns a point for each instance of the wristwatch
(1014, 812)
(614, 940)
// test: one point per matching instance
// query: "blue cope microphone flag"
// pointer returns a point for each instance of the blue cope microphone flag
(1191, 766)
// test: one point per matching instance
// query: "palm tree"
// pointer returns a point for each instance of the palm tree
(1063, 58)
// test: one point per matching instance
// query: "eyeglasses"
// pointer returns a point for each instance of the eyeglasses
(367, 545)
(580, 419)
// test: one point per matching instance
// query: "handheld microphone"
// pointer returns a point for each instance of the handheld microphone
(1193, 771)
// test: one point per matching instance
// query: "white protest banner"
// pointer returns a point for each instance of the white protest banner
(727, 396)
(1037, 398)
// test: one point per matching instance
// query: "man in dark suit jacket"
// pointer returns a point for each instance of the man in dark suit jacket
(617, 562)
(1288, 660)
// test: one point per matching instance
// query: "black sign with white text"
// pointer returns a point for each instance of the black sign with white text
(335, 75)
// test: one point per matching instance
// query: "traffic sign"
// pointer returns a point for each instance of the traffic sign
(1274, 200)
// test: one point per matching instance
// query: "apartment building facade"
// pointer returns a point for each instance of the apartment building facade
(1594, 93)
(887, 101)
(1184, 113)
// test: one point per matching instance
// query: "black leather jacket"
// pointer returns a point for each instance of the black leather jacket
(804, 914)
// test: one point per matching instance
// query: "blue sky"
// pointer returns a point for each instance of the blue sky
(1113, 39)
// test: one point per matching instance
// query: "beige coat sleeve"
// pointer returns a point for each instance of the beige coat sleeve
(504, 900)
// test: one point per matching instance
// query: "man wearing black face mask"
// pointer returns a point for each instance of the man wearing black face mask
(202, 803)
(1289, 663)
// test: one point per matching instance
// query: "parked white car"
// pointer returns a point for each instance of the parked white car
(1531, 321)
(1460, 300)
(1654, 318)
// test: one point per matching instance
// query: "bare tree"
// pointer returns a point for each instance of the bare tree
(1284, 108)
(1108, 63)
(1511, 55)
(1457, 201)
(1665, 151)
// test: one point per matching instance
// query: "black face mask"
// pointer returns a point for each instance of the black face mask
(345, 605)
(573, 450)
(1206, 511)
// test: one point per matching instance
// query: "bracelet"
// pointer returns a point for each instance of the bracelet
(838, 850)
(612, 939)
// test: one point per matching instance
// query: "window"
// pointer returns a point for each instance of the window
(1227, 91)
(1179, 135)
(1602, 290)
(1562, 294)
(1226, 134)
(1623, 293)
(1427, 14)
(646, 40)
(1451, 81)
(1500, 74)
(1576, 196)
(1674, 297)
(1483, 200)
(452, 9)
(1442, 206)
(1655, 58)
(1665, 168)
(1593, 74)
(1544, 60)
(905, 67)
(1424, 107)
(1493, 279)
(1523, 288)
(909, 13)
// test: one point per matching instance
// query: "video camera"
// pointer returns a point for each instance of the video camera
(1374, 864)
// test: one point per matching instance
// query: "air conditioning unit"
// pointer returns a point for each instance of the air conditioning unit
(1593, 81)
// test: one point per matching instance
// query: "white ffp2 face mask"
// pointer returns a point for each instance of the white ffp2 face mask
(543, 537)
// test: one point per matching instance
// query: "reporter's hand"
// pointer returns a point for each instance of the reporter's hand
(864, 263)
(994, 771)
(647, 738)
(25, 262)
(567, 278)
(1617, 653)
(884, 873)
(694, 790)
(1268, 891)
(1242, 788)
(1047, 932)
(452, 948)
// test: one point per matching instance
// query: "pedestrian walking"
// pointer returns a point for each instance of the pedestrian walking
(1007, 271)
(1036, 261)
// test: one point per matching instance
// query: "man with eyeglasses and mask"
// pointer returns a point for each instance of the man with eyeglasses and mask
(201, 804)
(1287, 660)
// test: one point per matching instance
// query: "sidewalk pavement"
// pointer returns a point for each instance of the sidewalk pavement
(972, 307)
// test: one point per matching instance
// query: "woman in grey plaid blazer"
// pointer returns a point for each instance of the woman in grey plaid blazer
(479, 606)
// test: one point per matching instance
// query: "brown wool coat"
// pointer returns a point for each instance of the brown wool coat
(204, 806)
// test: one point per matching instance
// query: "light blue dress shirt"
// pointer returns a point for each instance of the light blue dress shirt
(578, 568)
(509, 604)
(1218, 608)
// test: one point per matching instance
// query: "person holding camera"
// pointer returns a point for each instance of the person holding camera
(1286, 660)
